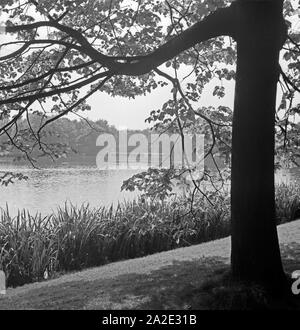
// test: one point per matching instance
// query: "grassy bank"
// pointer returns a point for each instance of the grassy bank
(34, 247)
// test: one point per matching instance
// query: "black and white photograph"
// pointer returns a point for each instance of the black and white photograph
(149, 158)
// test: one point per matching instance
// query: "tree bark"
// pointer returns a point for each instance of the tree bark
(260, 33)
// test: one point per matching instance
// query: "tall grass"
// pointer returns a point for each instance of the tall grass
(287, 200)
(33, 247)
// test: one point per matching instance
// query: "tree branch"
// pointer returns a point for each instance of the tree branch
(76, 104)
(220, 22)
(27, 44)
(33, 97)
(45, 75)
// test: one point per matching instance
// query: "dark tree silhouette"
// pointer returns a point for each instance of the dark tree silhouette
(260, 34)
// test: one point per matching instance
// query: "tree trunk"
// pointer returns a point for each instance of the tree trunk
(255, 250)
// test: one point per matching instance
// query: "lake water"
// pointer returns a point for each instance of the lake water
(48, 188)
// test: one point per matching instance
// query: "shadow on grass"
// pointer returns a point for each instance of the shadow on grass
(166, 288)
(198, 284)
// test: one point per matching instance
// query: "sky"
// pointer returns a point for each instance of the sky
(124, 113)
